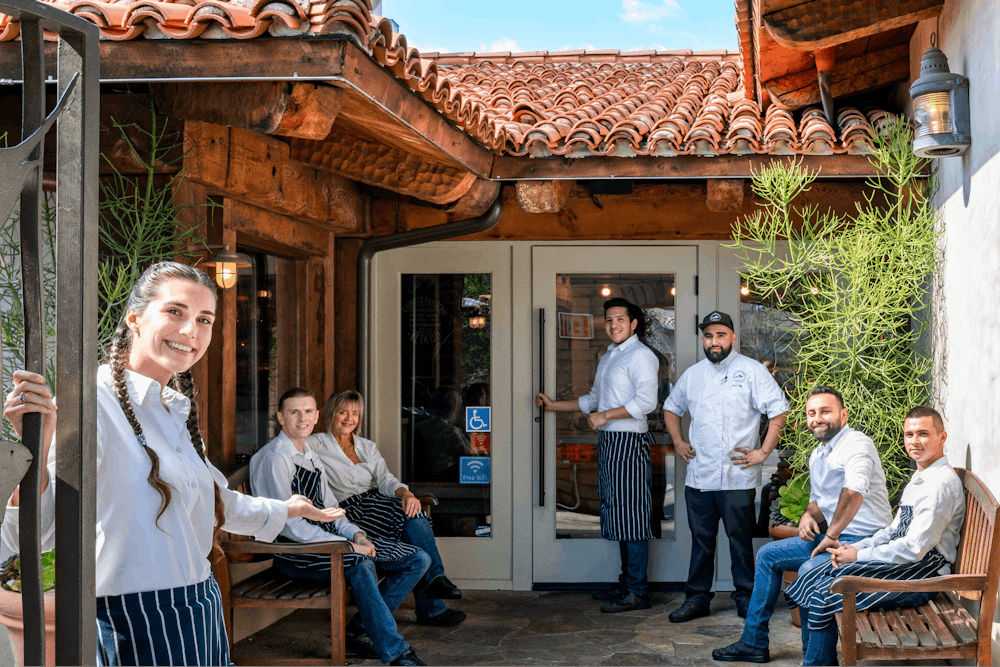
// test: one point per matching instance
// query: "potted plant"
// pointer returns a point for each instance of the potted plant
(10, 605)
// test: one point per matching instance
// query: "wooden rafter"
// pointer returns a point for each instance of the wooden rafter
(855, 75)
(818, 24)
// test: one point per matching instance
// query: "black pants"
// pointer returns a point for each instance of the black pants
(704, 509)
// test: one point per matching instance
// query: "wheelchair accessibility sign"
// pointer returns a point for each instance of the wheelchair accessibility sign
(477, 420)
(473, 470)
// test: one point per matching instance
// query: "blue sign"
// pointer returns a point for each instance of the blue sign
(474, 470)
(477, 420)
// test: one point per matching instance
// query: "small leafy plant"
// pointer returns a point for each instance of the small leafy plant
(11, 576)
(793, 497)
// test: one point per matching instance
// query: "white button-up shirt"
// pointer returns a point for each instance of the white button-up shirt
(626, 377)
(271, 472)
(135, 551)
(850, 461)
(348, 479)
(938, 501)
(726, 401)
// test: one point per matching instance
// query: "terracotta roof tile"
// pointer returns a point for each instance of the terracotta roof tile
(539, 103)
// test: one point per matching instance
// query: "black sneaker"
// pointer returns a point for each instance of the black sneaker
(630, 602)
(442, 589)
(740, 652)
(688, 612)
(360, 646)
(610, 594)
(408, 658)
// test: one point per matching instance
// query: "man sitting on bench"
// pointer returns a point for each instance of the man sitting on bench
(920, 542)
(287, 465)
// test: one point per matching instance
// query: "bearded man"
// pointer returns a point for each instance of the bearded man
(726, 394)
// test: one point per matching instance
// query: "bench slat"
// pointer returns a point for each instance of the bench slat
(299, 589)
(878, 622)
(929, 614)
(868, 635)
(925, 636)
(253, 583)
(958, 623)
(906, 636)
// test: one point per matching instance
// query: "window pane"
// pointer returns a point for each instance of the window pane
(446, 329)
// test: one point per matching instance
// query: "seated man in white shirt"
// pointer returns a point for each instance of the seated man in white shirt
(921, 542)
(287, 465)
(847, 490)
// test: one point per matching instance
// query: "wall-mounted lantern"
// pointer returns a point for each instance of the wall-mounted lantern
(227, 265)
(940, 108)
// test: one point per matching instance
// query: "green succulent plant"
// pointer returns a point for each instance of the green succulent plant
(793, 497)
(11, 575)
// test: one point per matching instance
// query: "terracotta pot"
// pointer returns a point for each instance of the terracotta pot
(11, 616)
(788, 577)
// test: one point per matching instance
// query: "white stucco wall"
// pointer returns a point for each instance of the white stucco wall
(967, 296)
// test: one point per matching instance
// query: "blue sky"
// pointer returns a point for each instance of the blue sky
(557, 25)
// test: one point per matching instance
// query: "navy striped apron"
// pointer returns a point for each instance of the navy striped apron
(812, 589)
(370, 511)
(624, 485)
(173, 626)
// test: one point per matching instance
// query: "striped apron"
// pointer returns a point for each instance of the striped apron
(173, 626)
(624, 485)
(812, 589)
(381, 518)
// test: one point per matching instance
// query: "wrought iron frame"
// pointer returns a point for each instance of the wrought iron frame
(76, 116)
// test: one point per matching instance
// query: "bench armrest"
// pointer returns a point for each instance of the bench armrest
(427, 500)
(948, 582)
(254, 547)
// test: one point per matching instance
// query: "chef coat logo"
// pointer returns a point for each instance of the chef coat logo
(714, 317)
(738, 378)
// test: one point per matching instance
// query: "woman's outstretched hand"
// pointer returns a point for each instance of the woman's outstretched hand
(300, 506)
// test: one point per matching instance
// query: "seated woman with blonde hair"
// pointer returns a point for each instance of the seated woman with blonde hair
(379, 503)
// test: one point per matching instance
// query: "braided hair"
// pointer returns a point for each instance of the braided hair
(145, 290)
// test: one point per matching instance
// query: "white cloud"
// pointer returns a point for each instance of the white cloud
(640, 11)
(504, 44)
(429, 49)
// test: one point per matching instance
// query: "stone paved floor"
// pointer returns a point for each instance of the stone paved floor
(544, 628)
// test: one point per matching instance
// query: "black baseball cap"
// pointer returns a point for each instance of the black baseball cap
(717, 317)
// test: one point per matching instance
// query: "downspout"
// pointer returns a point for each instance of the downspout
(825, 61)
(370, 247)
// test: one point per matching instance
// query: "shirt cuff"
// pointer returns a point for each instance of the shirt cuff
(586, 404)
(864, 554)
(633, 409)
(276, 520)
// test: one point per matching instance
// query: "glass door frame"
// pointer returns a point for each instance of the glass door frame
(589, 561)
(473, 562)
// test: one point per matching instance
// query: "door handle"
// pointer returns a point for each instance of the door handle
(541, 409)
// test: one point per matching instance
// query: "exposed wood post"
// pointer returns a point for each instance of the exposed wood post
(544, 196)
(725, 195)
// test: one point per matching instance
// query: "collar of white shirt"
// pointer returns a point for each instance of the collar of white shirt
(625, 344)
(832, 442)
(288, 447)
(147, 392)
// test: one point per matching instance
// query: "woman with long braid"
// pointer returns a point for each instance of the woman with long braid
(160, 502)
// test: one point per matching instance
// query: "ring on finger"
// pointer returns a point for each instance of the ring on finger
(22, 397)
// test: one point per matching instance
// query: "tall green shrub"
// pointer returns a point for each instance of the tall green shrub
(856, 290)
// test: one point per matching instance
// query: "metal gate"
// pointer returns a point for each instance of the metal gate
(73, 71)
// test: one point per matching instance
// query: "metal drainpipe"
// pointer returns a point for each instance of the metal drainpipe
(370, 247)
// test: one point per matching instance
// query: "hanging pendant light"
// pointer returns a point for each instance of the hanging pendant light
(940, 108)
(227, 265)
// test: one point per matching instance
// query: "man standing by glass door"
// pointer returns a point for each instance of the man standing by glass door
(726, 393)
(623, 393)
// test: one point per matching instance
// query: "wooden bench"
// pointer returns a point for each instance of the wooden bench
(272, 589)
(942, 628)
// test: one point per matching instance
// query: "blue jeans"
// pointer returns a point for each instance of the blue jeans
(704, 510)
(376, 603)
(819, 647)
(635, 564)
(418, 532)
(774, 558)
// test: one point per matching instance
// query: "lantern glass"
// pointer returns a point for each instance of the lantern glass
(225, 274)
(932, 113)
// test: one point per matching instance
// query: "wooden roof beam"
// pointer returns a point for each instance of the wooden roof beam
(818, 24)
(853, 75)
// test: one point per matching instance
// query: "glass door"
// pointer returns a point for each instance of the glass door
(442, 408)
(570, 286)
